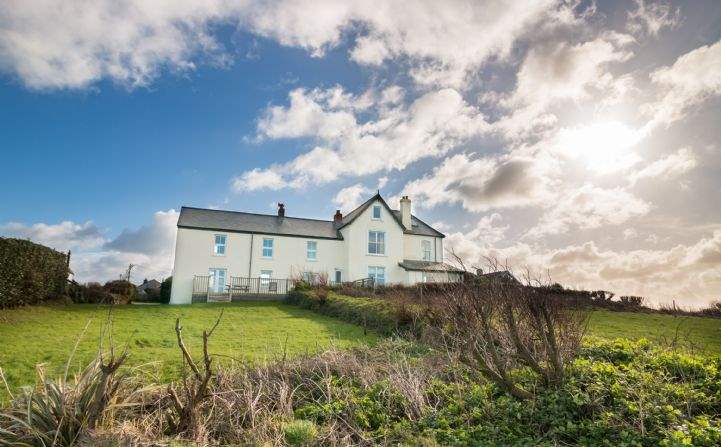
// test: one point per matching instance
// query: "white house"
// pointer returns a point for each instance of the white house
(228, 253)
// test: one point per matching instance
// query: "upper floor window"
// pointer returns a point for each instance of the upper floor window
(219, 249)
(267, 247)
(426, 246)
(376, 242)
(378, 274)
(376, 212)
(311, 250)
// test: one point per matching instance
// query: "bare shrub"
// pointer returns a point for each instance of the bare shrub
(186, 419)
(497, 326)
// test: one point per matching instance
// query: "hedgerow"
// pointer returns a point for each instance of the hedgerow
(383, 315)
(30, 273)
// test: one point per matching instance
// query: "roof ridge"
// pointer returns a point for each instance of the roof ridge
(253, 214)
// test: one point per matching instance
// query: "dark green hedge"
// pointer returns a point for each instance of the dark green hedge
(378, 314)
(30, 273)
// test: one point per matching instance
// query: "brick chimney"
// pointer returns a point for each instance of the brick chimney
(337, 217)
(281, 209)
(406, 212)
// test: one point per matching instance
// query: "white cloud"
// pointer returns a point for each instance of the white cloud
(556, 72)
(481, 183)
(63, 236)
(564, 71)
(95, 258)
(588, 207)
(630, 233)
(692, 79)
(651, 18)
(350, 197)
(673, 165)
(434, 40)
(489, 229)
(688, 274)
(316, 113)
(392, 138)
(72, 44)
(605, 147)
(154, 239)
(258, 179)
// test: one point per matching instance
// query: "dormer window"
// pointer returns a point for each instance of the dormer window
(376, 212)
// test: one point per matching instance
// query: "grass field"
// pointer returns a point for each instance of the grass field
(249, 331)
(253, 331)
(699, 334)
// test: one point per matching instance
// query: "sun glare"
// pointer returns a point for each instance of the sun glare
(604, 147)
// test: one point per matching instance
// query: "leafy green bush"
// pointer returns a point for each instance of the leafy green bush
(30, 273)
(165, 288)
(300, 432)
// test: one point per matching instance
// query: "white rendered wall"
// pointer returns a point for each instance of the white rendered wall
(194, 256)
(413, 247)
(356, 238)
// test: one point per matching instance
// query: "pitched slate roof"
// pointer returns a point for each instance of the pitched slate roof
(428, 266)
(153, 284)
(417, 226)
(239, 222)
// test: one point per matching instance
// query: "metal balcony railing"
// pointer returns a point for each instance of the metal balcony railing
(239, 287)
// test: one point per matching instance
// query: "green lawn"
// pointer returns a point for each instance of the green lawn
(250, 331)
(696, 333)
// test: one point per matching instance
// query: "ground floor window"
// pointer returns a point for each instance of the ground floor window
(424, 277)
(265, 276)
(338, 276)
(216, 282)
(378, 274)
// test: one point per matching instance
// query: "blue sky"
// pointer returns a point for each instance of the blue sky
(579, 139)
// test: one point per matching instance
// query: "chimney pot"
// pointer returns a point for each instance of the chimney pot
(337, 217)
(281, 210)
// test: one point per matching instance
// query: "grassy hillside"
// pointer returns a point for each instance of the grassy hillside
(694, 333)
(248, 331)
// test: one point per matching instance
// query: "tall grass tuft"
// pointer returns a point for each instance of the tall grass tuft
(58, 412)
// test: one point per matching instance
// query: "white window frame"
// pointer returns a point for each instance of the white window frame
(265, 277)
(384, 243)
(215, 273)
(424, 252)
(424, 277)
(374, 270)
(313, 251)
(216, 244)
(271, 248)
(373, 212)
